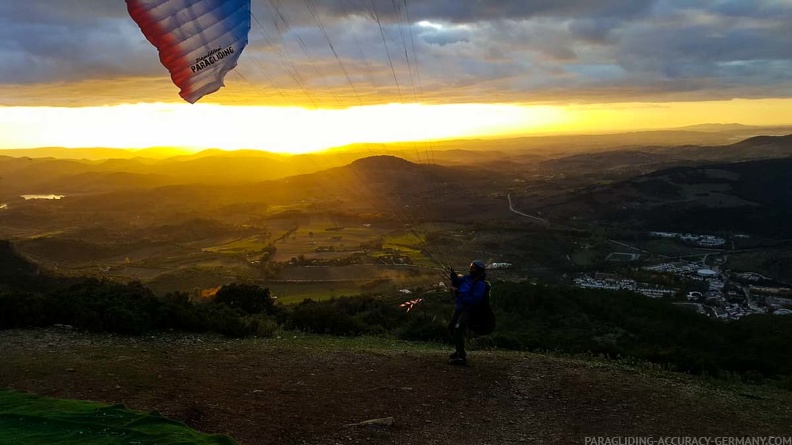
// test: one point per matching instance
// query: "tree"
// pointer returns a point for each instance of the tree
(248, 298)
(267, 253)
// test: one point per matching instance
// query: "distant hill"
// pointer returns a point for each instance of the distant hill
(719, 127)
(95, 154)
(23, 175)
(92, 182)
(441, 178)
(645, 159)
(18, 273)
(392, 187)
(386, 171)
(748, 197)
(703, 134)
(12, 265)
(767, 143)
(382, 186)
(604, 161)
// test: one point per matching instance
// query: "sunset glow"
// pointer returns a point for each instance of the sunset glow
(290, 130)
(299, 130)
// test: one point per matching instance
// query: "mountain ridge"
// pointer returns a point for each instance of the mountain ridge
(738, 197)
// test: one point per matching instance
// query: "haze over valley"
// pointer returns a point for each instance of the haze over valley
(387, 217)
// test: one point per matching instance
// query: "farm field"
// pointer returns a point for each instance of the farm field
(672, 248)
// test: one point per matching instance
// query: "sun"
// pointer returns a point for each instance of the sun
(275, 129)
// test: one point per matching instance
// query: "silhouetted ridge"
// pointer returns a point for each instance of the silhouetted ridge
(749, 197)
(384, 162)
(15, 270)
(717, 127)
(762, 141)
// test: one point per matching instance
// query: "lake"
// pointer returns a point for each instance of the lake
(50, 196)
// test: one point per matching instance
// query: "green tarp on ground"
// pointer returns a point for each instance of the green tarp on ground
(31, 419)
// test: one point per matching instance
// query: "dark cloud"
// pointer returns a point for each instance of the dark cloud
(477, 50)
(78, 12)
(64, 41)
(599, 31)
(485, 10)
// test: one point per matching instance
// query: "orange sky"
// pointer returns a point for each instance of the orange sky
(325, 73)
(297, 130)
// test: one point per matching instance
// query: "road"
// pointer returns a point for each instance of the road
(536, 218)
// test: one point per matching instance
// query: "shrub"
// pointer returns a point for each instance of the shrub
(323, 318)
(23, 309)
(227, 321)
(421, 329)
(261, 326)
(248, 298)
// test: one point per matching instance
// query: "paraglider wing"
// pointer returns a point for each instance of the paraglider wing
(409, 304)
(199, 41)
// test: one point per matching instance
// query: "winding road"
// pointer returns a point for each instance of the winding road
(511, 207)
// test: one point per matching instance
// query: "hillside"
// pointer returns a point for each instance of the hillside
(19, 273)
(58, 170)
(115, 230)
(298, 389)
(748, 197)
(766, 142)
(644, 159)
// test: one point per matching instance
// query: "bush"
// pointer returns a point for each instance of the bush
(530, 317)
(176, 312)
(248, 298)
(23, 309)
(227, 321)
(261, 326)
(324, 318)
(420, 329)
(124, 321)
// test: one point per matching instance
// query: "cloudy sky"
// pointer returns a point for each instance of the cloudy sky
(543, 65)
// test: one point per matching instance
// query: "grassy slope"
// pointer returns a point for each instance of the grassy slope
(306, 389)
(34, 420)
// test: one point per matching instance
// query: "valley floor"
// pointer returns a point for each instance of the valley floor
(302, 389)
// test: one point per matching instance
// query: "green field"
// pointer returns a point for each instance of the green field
(770, 262)
(323, 234)
(292, 293)
(30, 419)
(249, 245)
(671, 248)
(586, 257)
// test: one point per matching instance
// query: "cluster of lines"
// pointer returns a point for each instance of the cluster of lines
(403, 43)
(277, 23)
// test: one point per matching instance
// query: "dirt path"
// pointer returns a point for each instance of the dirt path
(308, 390)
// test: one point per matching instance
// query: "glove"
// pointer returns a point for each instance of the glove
(452, 275)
